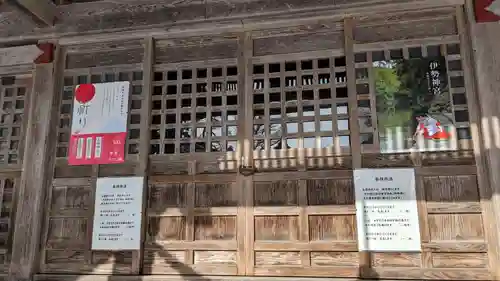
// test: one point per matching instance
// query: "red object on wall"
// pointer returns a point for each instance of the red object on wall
(97, 149)
(48, 53)
(85, 93)
(482, 14)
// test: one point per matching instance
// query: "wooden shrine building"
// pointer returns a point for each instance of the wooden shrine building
(246, 119)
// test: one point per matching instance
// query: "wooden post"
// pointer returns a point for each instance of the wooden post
(480, 46)
(364, 257)
(142, 168)
(38, 162)
(245, 146)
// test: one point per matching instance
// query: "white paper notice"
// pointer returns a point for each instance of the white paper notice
(386, 210)
(118, 214)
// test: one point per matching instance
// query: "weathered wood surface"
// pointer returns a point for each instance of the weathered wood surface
(144, 146)
(43, 10)
(154, 16)
(483, 88)
(295, 216)
(19, 55)
(36, 169)
(193, 228)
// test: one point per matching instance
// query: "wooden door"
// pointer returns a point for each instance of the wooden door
(302, 224)
(194, 225)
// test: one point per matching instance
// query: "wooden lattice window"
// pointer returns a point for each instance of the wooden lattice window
(135, 105)
(301, 104)
(406, 86)
(12, 114)
(194, 110)
(7, 198)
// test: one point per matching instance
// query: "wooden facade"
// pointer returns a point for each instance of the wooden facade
(229, 118)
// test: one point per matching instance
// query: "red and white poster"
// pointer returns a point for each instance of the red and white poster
(99, 124)
(487, 10)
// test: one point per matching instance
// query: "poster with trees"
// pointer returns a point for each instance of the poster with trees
(414, 108)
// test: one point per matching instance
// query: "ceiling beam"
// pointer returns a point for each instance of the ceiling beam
(44, 10)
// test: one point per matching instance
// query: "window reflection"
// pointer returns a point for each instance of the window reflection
(309, 142)
(327, 142)
(309, 127)
(344, 141)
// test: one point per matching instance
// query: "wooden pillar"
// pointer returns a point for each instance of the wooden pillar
(38, 164)
(481, 55)
(364, 256)
(144, 145)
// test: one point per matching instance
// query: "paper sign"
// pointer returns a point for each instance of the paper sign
(386, 210)
(118, 214)
(99, 124)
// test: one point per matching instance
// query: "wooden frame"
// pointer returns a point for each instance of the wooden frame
(284, 212)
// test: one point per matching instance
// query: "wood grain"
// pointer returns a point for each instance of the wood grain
(295, 216)
(37, 167)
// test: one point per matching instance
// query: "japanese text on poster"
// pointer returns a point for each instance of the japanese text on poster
(99, 124)
(386, 210)
(117, 214)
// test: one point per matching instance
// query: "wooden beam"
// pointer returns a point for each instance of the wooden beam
(38, 164)
(241, 19)
(44, 10)
(19, 55)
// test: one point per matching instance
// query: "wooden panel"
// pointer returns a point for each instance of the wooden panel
(330, 192)
(298, 43)
(69, 227)
(277, 258)
(334, 258)
(451, 189)
(67, 233)
(333, 227)
(405, 30)
(280, 193)
(105, 58)
(167, 228)
(396, 260)
(163, 196)
(461, 260)
(215, 228)
(216, 195)
(70, 261)
(276, 228)
(304, 224)
(192, 225)
(190, 50)
(456, 227)
(279, 247)
(70, 201)
(160, 261)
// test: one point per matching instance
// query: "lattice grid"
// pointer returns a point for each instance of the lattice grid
(7, 194)
(195, 110)
(301, 104)
(12, 114)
